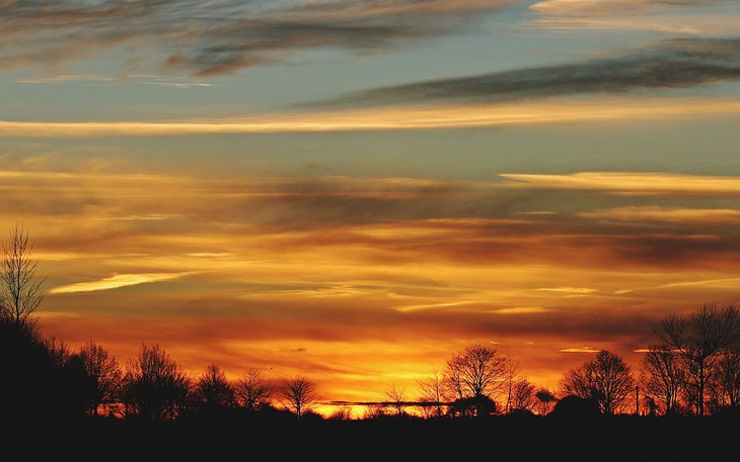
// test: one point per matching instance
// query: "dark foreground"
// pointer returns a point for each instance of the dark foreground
(523, 437)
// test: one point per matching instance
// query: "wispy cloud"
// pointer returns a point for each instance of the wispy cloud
(711, 25)
(568, 290)
(435, 306)
(67, 78)
(210, 38)
(116, 282)
(405, 118)
(708, 17)
(649, 214)
(579, 350)
(613, 7)
(633, 183)
(671, 64)
(731, 283)
(99, 80)
(523, 310)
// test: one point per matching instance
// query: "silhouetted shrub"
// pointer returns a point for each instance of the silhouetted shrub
(574, 409)
(475, 406)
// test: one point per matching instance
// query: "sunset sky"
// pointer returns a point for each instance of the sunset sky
(352, 190)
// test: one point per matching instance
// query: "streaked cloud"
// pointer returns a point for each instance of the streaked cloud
(596, 7)
(115, 282)
(676, 63)
(726, 283)
(647, 214)
(633, 183)
(434, 306)
(522, 310)
(374, 119)
(98, 80)
(211, 38)
(614, 7)
(711, 25)
(579, 350)
(568, 290)
(677, 17)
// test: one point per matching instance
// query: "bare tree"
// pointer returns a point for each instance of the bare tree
(433, 391)
(299, 394)
(699, 338)
(453, 378)
(103, 376)
(606, 379)
(252, 391)
(397, 397)
(663, 376)
(59, 351)
(522, 395)
(476, 371)
(213, 390)
(154, 387)
(511, 373)
(728, 378)
(545, 400)
(20, 290)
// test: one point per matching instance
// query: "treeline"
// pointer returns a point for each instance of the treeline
(694, 370)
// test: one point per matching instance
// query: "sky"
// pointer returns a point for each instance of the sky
(354, 190)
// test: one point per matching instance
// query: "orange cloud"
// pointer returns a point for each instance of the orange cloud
(115, 282)
(370, 282)
(580, 350)
(522, 310)
(634, 15)
(645, 214)
(629, 182)
(395, 118)
(568, 290)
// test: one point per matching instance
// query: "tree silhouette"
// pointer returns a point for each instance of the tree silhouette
(606, 379)
(511, 375)
(154, 387)
(396, 396)
(663, 376)
(433, 391)
(59, 352)
(20, 291)
(103, 376)
(299, 394)
(476, 371)
(252, 391)
(522, 395)
(699, 338)
(213, 391)
(727, 378)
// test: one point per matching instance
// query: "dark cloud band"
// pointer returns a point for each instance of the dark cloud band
(671, 64)
(209, 38)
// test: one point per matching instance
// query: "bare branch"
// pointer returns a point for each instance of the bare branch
(20, 290)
